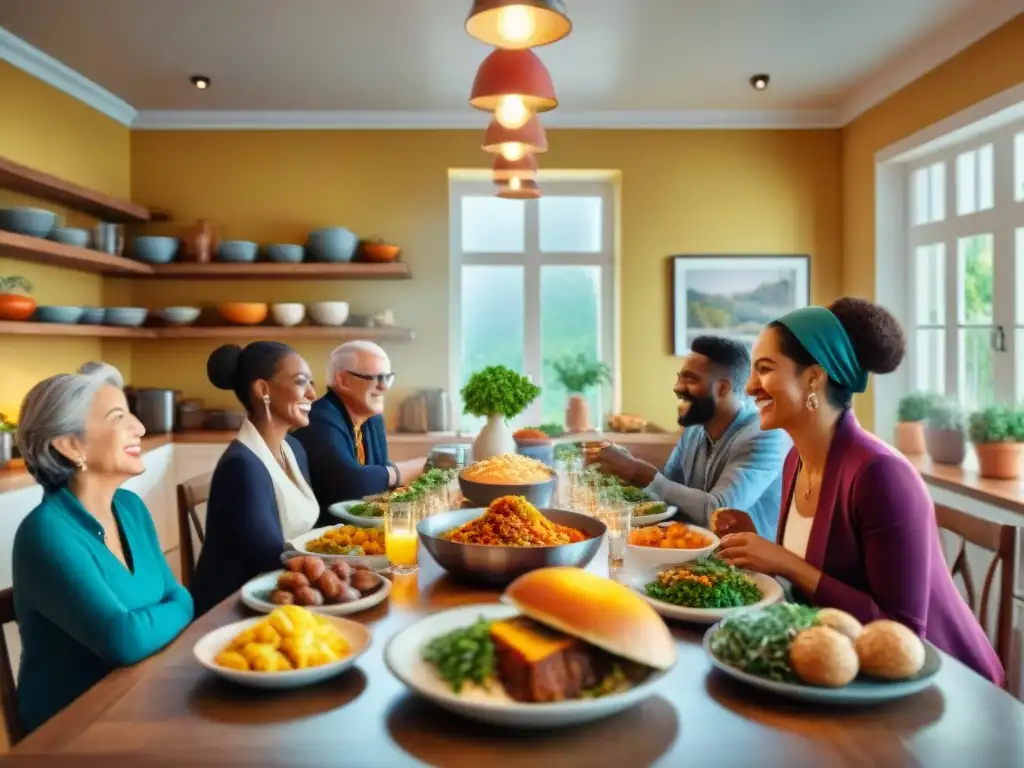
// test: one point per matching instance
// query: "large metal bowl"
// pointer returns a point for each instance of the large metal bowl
(498, 566)
(539, 494)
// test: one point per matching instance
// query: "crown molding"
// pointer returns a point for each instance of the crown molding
(30, 59)
(931, 54)
(693, 119)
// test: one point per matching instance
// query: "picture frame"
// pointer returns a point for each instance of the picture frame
(734, 296)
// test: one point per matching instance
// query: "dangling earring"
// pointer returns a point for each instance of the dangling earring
(266, 404)
(812, 402)
(80, 463)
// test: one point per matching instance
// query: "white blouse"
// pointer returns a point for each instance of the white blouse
(798, 531)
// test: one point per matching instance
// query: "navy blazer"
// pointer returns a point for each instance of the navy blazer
(243, 535)
(330, 442)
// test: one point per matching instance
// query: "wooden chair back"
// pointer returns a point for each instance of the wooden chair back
(191, 495)
(1001, 541)
(8, 689)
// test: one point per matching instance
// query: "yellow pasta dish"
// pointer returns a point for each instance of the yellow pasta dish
(508, 469)
(290, 638)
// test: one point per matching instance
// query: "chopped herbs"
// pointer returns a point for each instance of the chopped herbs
(706, 583)
(464, 655)
(758, 641)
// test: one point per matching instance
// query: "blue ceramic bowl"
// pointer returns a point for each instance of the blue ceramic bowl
(155, 250)
(71, 236)
(237, 251)
(333, 244)
(125, 317)
(284, 253)
(178, 315)
(91, 316)
(57, 314)
(34, 222)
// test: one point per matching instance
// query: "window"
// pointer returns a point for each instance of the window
(964, 268)
(532, 281)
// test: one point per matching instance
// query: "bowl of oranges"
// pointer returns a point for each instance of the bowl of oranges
(669, 544)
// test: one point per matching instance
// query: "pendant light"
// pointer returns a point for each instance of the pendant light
(524, 169)
(513, 85)
(516, 189)
(517, 24)
(513, 144)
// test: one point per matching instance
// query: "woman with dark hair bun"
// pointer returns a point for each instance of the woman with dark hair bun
(857, 527)
(260, 495)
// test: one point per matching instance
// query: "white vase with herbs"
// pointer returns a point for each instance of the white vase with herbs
(498, 394)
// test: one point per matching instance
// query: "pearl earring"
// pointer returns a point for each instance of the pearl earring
(266, 405)
(812, 402)
(80, 463)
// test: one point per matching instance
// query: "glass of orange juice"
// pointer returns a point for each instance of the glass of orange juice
(401, 542)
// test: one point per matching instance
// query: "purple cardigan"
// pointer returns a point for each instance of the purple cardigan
(876, 542)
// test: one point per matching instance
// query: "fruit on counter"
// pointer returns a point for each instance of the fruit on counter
(307, 580)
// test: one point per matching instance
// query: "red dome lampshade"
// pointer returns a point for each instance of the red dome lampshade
(515, 189)
(513, 144)
(512, 85)
(517, 24)
(523, 169)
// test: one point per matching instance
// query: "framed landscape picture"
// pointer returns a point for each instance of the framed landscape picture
(734, 296)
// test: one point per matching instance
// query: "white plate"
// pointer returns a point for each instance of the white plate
(770, 589)
(403, 656)
(652, 519)
(649, 558)
(255, 594)
(860, 692)
(376, 562)
(206, 650)
(341, 509)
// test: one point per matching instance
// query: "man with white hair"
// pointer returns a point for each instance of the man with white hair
(345, 441)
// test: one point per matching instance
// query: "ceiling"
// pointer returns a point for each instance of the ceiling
(413, 56)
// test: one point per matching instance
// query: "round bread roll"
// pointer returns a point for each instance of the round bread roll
(822, 656)
(889, 651)
(598, 611)
(841, 622)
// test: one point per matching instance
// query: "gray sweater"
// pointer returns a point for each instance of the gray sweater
(743, 471)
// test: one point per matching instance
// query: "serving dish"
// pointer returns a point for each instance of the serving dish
(125, 317)
(538, 493)
(255, 594)
(332, 244)
(237, 251)
(288, 314)
(328, 313)
(341, 509)
(178, 315)
(285, 253)
(376, 562)
(648, 558)
(64, 315)
(152, 249)
(34, 222)
(771, 591)
(657, 517)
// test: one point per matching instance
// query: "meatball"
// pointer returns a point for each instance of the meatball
(343, 569)
(330, 585)
(292, 581)
(364, 581)
(308, 596)
(313, 568)
(282, 597)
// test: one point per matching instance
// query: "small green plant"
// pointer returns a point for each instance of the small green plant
(14, 283)
(578, 373)
(6, 425)
(997, 424)
(946, 414)
(498, 390)
(916, 406)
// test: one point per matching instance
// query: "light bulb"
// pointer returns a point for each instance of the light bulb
(514, 183)
(512, 112)
(516, 24)
(513, 150)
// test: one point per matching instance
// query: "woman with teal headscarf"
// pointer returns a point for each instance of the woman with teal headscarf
(857, 527)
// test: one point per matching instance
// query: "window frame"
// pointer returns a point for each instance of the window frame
(531, 260)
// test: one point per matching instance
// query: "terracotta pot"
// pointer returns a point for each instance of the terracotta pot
(577, 414)
(199, 242)
(946, 446)
(910, 438)
(495, 439)
(999, 461)
(14, 306)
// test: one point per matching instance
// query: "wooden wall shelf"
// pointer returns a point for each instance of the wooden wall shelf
(273, 271)
(8, 328)
(41, 251)
(21, 178)
(251, 332)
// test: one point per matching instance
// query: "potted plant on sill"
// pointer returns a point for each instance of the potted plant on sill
(16, 306)
(911, 413)
(498, 394)
(579, 373)
(998, 436)
(7, 430)
(944, 433)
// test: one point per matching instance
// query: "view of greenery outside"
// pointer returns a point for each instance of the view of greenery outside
(977, 387)
(737, 304)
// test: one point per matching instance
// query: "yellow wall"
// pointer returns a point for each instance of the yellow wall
(48, 130)
(730, 192)
(990, 66)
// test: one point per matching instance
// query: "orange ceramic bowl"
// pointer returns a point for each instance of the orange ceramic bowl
(14, 306)
(243, 312)
(378, 252)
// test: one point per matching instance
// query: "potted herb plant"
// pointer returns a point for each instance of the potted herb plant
(998, 436)
(579, 373)
(498, 394)
(944, 433)
(911, 413)
(16, 306)
(7, 430)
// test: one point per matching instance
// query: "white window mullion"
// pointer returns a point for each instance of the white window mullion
(533, 362)
(1004, 267)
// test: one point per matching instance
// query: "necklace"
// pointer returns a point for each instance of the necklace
(811, 478)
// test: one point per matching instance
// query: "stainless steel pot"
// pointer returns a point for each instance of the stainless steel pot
(155, 409)
(6, 448)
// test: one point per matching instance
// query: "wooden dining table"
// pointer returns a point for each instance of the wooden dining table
(169, 710)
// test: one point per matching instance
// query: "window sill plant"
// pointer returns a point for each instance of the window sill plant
(16, 306)
(578, 374)
(499, 394)
(944, 434)
(998, 436)
(911, 413)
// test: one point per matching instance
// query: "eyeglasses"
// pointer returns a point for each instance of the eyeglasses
(380, 379)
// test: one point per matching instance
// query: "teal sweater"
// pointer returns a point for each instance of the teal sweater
(81, 613)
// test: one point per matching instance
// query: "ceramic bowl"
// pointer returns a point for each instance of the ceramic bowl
(178, 315)
(57, 314)
(380, 253)
(333, 244)
(91, 316)
(237, 251)
(652, 558)
(80, 238)
(287, 315)
(127, 317)
(331, 313)
(285, 253)
(243, 312)
(155, 250)
(539, 494)
(34, 222)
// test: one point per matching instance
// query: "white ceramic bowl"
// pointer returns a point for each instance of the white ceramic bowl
(287, 315)
(649, 558)
(376, 562)
(330, 313)
(206, 650)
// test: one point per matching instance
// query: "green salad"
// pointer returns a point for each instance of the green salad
(758, 641)
(705, 583)
(464, 655)
(628, 493)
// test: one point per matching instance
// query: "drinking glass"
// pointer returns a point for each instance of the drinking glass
(401, 542)
(617, 515)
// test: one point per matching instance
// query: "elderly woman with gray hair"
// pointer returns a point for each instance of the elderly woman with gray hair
(91, 587)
